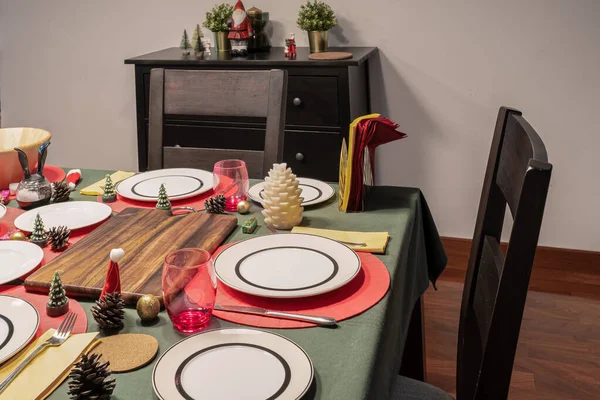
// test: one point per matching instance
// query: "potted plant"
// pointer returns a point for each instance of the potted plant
(317, 18)
(216, 21)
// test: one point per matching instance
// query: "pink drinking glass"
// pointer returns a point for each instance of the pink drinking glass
(189, 287)
(230, 178)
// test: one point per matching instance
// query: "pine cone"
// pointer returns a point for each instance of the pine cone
(59, 237)
(89, 379)
(60, 191)
(108, 312)
(216, 204)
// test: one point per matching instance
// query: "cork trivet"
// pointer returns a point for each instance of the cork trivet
(127, 351)
(330, 55)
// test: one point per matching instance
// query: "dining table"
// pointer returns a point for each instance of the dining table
(357, 359)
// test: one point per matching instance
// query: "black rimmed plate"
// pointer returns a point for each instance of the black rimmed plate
(287, 265)
(180, 183)
(233, 363)
(313, 191)
(19, 321)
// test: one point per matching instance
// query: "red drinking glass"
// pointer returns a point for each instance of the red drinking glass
(189, 287)
(230, 178)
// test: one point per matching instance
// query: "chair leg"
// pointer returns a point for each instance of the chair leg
(413, 358)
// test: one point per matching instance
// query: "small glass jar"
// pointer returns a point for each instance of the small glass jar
(33, 192)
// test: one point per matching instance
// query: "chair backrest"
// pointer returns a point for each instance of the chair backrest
(221, 94)
(517, 175)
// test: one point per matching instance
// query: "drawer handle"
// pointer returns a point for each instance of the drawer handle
(299, 156)
(297, 101)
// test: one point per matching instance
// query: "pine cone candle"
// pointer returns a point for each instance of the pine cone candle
(60, 192)
(281, 198)
(58, 303)
(89, 379)
(216, 204)
(108, 312)
(59, 237)
(39, 235)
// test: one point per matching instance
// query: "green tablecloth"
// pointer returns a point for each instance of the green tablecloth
(359, 358)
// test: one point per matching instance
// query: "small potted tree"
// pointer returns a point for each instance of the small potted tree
(216, 21)
(317, 18)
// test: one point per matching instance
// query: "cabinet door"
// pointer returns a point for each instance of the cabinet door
(313, 154)
(312, 101)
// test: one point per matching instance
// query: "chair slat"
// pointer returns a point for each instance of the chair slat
(186, 157)
(217, 93)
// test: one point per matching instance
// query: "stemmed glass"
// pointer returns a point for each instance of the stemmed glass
(230, 178)
(189, 288)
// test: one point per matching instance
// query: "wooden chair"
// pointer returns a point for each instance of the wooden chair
(217, 94)
(517, 175)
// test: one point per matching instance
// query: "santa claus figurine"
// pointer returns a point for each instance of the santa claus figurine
(240, 30)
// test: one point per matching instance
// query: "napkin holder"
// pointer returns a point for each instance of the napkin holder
(357, 159)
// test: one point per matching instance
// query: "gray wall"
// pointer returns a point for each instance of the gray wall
(444, 69)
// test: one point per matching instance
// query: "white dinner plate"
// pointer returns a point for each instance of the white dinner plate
(235, 363)
(73, 215)
(18, 258)
(180, 183)
(2, 210)
(313, 191)
(287, 265)
(19, 321)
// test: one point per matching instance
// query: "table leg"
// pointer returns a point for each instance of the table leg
(413, 358)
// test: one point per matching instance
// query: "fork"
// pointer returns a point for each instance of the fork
(273, 230)
(60, 335)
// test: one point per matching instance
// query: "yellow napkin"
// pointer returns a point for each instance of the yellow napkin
(98, 187)
(47, 371)
(375, 241)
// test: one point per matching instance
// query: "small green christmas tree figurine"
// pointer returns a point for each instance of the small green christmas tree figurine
(185, 43)
(163, 200)
(39, 235)
(199, 47)
(197, 37)
(58, 304)
(109, 194)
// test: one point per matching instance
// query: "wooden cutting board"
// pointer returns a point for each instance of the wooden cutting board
(147, 236)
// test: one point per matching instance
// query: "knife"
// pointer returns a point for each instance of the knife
(326, 321)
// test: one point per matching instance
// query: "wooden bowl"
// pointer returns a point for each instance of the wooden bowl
(27, 139)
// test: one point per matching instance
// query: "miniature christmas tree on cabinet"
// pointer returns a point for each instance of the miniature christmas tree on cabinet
(58, 303)
(109, 194)
(185, 45)
(163, 202)
(197, 41)
(281, 199)
(39, 236)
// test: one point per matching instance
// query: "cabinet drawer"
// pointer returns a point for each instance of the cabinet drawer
(312, 101)
(313, 154)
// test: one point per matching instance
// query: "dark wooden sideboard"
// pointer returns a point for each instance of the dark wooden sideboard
(323, 98)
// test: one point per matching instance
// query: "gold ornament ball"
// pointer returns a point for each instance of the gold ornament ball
(148, 307)
(18, 236)
(243, 207)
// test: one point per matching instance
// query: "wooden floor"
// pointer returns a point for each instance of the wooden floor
(558, 356)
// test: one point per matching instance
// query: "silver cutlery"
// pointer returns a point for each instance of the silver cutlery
(61, 334)
(353, 244)
(325, 321)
